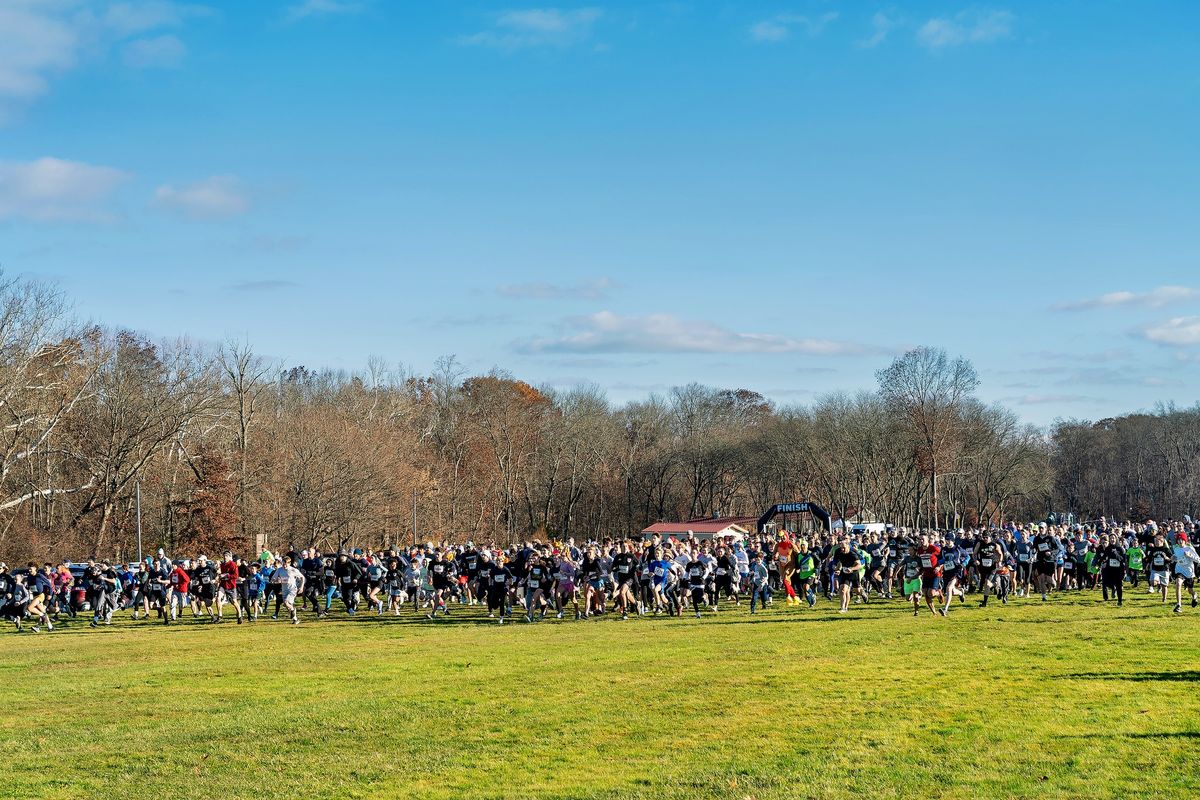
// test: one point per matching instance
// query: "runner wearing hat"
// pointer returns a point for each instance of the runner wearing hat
(1186, 560)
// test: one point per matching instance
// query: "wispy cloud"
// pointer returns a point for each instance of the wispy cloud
(597, 289)
(966, 27)
(1175, 332)
(322, 8)
(536, 27)
(881, 26)
(132, 18)
(1048, 399)
(608, 332)
(164, 52)
(40, 40)
(779, 28)
(1155, 298)
(1101, 357)
(218, 197)
(265, 285)
(52, 190)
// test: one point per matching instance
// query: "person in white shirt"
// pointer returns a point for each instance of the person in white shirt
(1186, 561)
(290, 582)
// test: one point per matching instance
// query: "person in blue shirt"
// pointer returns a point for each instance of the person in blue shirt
(759, 583)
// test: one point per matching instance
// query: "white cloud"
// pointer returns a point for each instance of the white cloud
(966, 27)
(1176, 332)
(596, 289)
(322, 8)
(42, 39)
(164, 52)
(1155, 298)
(881, 25)
(779, 27)
(1047, 399)
(265, 285)
(608, 332)
(218, 197)
(536, 27)
(51, 189)
(133, 18)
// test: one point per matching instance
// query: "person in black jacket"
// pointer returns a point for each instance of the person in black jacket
(348, 573)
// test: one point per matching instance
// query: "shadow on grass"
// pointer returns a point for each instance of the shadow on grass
(1140, 677)
(1174, 735)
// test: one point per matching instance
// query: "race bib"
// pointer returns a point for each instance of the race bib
(720, 572)
(987, 562)
(345, 579)
(927, 562)
(1114, 562)
(1043, 547)
(1023, 557)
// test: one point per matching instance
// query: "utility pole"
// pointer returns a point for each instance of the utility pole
(414, 537)
(137, 487)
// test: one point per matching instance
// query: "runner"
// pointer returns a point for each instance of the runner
(760, 582)
(229, 588)
(566, 584)
(1113, 560)
(931, 572)
(205, 578)
(499, 580)
(697, 578)
(347, 574)
(1186, 560)
(909, 575)
(989, 556)
(849, 570)
(1160, 557)
(290, 582)
(442, 577)
(1045, 548)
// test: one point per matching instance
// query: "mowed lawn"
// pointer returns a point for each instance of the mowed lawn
(1067, 699)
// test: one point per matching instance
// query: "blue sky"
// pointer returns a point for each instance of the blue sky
(776, 196)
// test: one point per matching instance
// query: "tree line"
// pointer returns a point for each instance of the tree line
(222, 448)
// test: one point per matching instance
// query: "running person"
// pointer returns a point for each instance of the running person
(1186, 560)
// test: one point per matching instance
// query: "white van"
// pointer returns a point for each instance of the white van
(860, 528)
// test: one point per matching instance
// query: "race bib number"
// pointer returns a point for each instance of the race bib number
(1023, 557)
(987, 562)
(927, 562)
(1114, 562)
(720, 572)
(1043, 547)
(345, 579)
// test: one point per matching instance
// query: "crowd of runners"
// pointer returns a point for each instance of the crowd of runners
(669, 577)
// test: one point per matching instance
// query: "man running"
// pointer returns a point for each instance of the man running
(848, 565)
(229, 588)
(930, 555)
(988, 557)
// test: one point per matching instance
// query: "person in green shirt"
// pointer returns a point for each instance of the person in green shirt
(1093, 567)
(1135, 554)
(805, 571)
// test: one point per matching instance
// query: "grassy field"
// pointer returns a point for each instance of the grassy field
(1067, 699)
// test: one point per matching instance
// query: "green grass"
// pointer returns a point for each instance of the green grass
(1068, 699)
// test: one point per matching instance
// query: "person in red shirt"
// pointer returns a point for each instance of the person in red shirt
(178, 597)
(931, 572)
(229, 588)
